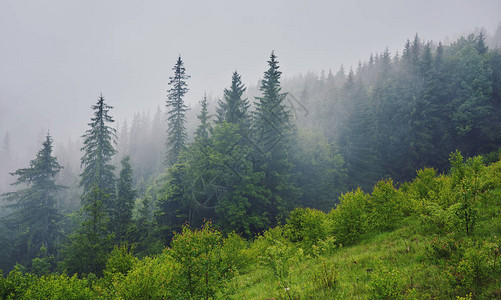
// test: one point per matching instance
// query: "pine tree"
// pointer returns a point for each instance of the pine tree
(271, 120)
(234, 109)
(98, 147)
(124, 201)
(35, 216)
(174, 205)
(273, 130)
(177, 135)
(88, 247)
(481, 46)
(202, 132)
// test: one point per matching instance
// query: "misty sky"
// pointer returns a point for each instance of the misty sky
(56, 57)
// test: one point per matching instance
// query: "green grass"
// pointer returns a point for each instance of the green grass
(403, 250)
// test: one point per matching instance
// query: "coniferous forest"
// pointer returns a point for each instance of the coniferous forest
(381, 181)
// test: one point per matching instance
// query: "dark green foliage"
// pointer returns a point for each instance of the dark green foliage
(221, 184)
(124, 202)
(319, 170)
(273, 132)
(86, 252)
(177, 135)
(233, 109)
(98, 151)
(35, 217)
(204, 128)
(174, 207)
(89, 246)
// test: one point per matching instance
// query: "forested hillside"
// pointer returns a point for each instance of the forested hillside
(434, 237)
(304, 187)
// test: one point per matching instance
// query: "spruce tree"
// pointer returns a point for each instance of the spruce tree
(176, 140)
(89, 246)
(202, 132)
(233, 109)
(98, 148)
(273, 131)
(35, 216)
(124, 201)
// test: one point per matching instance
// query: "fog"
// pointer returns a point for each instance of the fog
(56, 57)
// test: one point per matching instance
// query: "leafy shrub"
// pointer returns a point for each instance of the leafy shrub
(326, 246)
(466, 184)
(120, 260)
(422, 190)
(199, 255)
(385, 206)
(473, 270)
(386, 284)
(279, 255)
(234, 252)
(150, 278)
(442, 248)
(59, 287)
(306, 227)
(349, 217)
(435, 219)
(16, 283)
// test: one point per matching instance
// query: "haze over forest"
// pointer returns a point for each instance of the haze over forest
(220, 150)
(58, 56)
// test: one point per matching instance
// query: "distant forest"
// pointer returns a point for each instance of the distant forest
(246, 160)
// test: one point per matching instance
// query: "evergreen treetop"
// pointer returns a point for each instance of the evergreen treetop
(98, 150)
(234, 109)
(202, 132)
(35, 216)
(177, 135)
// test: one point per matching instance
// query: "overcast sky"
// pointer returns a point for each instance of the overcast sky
(56, 57)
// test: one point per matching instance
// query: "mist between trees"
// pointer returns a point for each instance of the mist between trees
(246, 160)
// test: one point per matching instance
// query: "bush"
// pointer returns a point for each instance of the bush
(474, 269)
(435, 219)
(385, 206)
(234, 251)
(306, 227)
(466, 185)
(16, 283)
(150, 278)
(279, 255)
(120, 260)
(349, 217)
(201, 267)
(59, 287)
(442, 248)
(386, 284)
(423, 189)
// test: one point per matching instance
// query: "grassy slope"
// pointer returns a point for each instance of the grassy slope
(403, 251)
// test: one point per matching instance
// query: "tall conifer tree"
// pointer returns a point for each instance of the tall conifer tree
(98, 150)
(202, 132)
(88, 248)
(234, 109)
(176, 140)
(35, 215)
(124, 201)
(273, 131)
